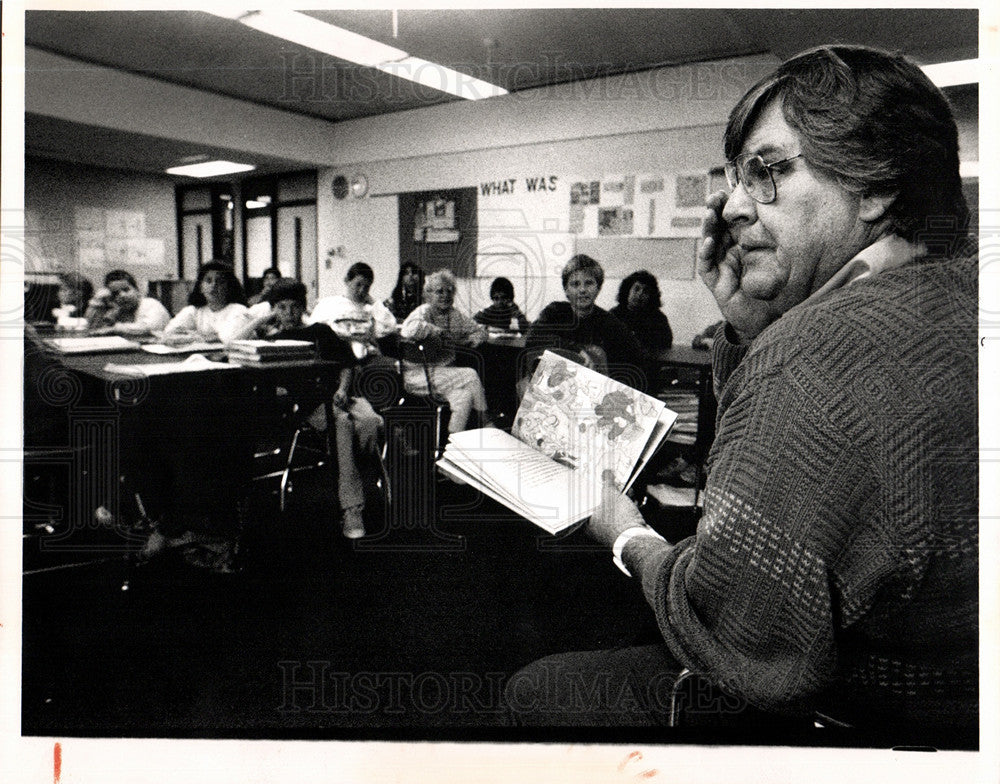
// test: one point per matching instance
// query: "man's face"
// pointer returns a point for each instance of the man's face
(441, 296)
(289, 313)
(792, 246)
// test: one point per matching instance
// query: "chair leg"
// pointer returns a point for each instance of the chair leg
(286, 475)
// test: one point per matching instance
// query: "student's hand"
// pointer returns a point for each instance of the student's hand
(720, 268)
(341, 398)
(616, 514)
(102, 331)
(179, 338)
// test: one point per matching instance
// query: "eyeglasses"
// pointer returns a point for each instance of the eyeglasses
(756, 176)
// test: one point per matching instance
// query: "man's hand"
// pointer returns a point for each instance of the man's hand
(617, 514)
(721, 268)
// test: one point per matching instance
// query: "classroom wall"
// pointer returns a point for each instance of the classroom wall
(666, 120)
(55, 193)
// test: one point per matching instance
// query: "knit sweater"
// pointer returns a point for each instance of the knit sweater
(836, 564)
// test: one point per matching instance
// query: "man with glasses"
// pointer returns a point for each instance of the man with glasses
(835, 567)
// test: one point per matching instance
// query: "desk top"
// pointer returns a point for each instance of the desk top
(683, 356)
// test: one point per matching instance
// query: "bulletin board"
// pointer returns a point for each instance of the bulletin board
(621, 256)
(439, 230)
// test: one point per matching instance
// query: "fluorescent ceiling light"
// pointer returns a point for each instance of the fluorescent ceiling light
(953, 73)
(210, 169)
(441, 78)
(338, 42)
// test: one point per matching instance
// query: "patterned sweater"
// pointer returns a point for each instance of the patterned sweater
(835, 566)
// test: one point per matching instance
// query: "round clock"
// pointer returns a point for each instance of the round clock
(340, 187)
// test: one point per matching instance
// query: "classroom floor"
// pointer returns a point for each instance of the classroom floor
(420, 612)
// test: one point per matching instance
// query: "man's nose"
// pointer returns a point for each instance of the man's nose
(740, 207)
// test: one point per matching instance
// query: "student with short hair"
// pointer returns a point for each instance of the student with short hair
(75, 291)
(355, 316)
(119, 308)
(354, 418)
(504, 312)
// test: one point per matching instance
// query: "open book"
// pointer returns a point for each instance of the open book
(573, 424)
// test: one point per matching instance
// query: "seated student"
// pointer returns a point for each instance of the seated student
(408, 294)
(596, 338)
(438, 318)
(119, 308)
(216, 311)
(638, 309)
(353, 416)
(75, 291)
(504, 312)
(355, 316)
(269, 277)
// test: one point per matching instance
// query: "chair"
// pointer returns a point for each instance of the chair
(423, 353)
(696, 701)
(287, 442)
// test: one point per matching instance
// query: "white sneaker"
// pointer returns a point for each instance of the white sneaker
(352, 524)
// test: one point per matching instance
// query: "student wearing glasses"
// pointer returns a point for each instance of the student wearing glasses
(835, 567)
(438, 319)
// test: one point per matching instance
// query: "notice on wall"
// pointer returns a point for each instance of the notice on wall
(643, 205)
(115, 239)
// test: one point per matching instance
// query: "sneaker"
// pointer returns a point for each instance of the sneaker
(352, 524)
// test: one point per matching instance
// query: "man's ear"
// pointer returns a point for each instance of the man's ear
(874, 206)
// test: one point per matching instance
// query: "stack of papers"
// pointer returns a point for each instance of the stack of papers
(92, 345)
(187, 348)
(193, 364)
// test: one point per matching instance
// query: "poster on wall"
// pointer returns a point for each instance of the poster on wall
(643, 205)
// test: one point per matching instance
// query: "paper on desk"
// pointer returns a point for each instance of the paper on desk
(92, 345)
(187, 348)
(193, 364)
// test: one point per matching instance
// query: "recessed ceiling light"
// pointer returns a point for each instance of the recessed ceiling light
(210, 169)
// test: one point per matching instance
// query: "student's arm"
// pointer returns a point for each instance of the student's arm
(150, 317)
(416, 328)
(232, 323)
(255, 325)
(183, 323)
(385, 322)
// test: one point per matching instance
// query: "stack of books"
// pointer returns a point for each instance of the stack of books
(259, 351)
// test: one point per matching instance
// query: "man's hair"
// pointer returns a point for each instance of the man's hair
(646, 278)
(872, 121)
(286, 288)
(583, 263)
(120, 274)
(360, 270)
(502, 286)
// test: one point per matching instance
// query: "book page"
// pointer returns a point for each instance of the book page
(544, 491)
(586, 420)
